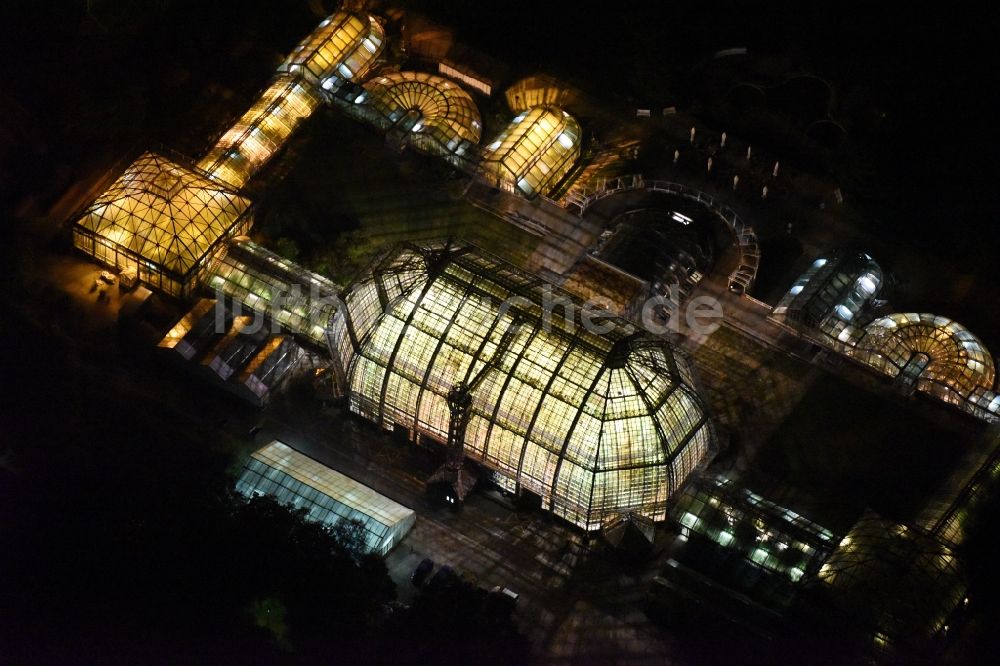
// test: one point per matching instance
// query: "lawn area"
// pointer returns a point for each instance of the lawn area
(844, 448)
(339, 194)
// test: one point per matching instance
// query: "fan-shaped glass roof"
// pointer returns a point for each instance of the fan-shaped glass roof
(597, 423)
(932, 353)
(261, 131)
(345, 45)
(534, 152)
(435, 115)
(164, 214)
(898, 581)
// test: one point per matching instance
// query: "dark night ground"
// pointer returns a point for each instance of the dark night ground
(848, 449)
(70, 102)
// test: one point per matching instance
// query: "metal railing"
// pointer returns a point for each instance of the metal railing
(740, 280)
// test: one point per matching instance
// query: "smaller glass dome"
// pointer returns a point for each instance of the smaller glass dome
(946, 359)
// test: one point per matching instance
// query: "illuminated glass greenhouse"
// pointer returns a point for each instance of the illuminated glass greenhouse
(299, 300)
(831, 294)
(164, 221)
(326, 495)
(927, 353)
(433, 114)
(899, 583)
(596, 424)
(770, 536)
(190, 336)
(261, 131)
(535, 152)
(344, 46)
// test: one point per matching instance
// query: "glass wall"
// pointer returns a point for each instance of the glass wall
(596, 424)
(535, 152)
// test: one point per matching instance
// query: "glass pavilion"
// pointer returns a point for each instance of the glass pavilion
(343, 48)
(267, 369)
(595, 423)
(433, 114)
(325, 494)
(770, 536)
(163, 220)
(535, 152)
(261, 131)
(191, 334)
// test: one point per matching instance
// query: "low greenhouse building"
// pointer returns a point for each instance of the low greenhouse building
(327, 496)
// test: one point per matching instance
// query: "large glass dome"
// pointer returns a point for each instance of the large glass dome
(598, 423)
